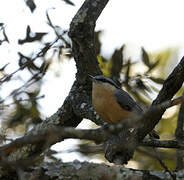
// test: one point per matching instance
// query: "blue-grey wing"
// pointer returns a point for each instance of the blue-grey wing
(126, 101)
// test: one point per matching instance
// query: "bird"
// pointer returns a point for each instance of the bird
(112, 103)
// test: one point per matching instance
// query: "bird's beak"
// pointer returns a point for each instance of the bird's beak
(91, 77)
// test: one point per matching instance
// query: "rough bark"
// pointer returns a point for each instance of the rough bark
(89, 171)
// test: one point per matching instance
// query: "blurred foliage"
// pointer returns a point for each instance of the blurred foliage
(26, 111)
(31, 37)
(3, 36)
(69, 2)
(19, 110)
(31, 4)
(142, 79)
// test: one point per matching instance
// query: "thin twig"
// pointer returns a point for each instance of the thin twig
(173, 176)
(7, 77)
(21, 100)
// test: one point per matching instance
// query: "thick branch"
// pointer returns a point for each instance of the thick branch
(80, 170)
(82, 35)
(179, 133)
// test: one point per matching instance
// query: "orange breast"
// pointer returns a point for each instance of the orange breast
(107, 107)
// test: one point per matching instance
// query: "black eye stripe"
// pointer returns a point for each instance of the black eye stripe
(106, 80)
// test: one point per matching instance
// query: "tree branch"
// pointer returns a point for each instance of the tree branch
(80, 170)
(45, 137)
(179, 133)
(82, 35)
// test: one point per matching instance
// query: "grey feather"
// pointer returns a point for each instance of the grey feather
(126, 101)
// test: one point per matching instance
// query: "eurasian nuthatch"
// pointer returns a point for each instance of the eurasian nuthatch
(111, 102)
